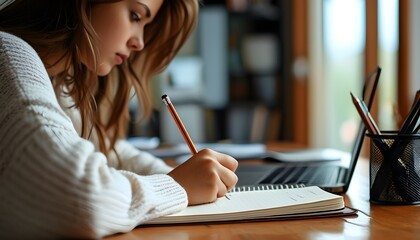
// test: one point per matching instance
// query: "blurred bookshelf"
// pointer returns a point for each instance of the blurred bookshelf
(246, 94)
(259, 70)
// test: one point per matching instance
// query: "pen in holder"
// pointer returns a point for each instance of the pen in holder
(394, 168)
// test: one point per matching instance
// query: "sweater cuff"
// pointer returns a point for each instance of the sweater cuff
(170, 196)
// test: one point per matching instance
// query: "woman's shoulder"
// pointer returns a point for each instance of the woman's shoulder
(13, 47)
(16, 55)
(8, 40)
(23, 75)
(7, 35)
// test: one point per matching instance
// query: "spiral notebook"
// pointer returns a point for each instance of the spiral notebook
(263, 202)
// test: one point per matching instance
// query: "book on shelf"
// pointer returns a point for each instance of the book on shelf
(263, 202)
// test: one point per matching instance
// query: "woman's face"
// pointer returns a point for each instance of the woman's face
(120, 29)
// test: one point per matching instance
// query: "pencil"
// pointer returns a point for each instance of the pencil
(409, 124)
(365, 115)
(177, 119)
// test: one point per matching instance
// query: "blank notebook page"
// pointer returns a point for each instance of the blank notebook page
(259, 204)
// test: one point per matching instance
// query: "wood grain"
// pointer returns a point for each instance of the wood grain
(372, 222)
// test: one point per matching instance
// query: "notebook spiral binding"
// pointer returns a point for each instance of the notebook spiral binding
(263, 187)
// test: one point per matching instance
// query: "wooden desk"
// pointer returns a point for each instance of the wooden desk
(372, 222)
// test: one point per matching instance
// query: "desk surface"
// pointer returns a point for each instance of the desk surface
(371, 222)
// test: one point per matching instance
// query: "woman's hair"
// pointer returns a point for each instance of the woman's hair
(54, 27)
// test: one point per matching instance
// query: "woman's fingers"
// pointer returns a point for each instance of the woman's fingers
(206, 176)
(226, 160)
(228, 177)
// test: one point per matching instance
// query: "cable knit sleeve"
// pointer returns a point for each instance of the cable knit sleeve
(53, 184)
(132, 159)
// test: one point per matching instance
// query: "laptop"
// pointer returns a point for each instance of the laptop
(332, 176)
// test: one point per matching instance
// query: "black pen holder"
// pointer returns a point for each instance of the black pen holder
(395, 168)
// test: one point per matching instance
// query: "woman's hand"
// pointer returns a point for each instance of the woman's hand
(206, 176)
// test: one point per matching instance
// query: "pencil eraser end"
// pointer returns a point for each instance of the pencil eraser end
(164, 96)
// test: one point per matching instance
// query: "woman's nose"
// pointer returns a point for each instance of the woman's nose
(136, 43)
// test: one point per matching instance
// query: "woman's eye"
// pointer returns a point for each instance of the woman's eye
(135, 17)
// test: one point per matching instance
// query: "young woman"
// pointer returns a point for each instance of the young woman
(67, 68)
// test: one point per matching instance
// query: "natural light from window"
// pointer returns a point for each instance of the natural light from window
(388, 55)
(344, 44)
(344, 34)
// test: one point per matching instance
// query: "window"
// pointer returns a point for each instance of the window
(388, 57)
(338, 33)
(344, 43)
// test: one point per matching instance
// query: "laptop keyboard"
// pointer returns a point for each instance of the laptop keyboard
(303, 175)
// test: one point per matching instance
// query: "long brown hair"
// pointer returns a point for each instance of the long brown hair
(52, 27)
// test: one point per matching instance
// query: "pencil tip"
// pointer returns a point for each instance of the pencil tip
(354, 98)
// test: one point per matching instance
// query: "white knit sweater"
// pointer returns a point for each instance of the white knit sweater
(53, 183)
